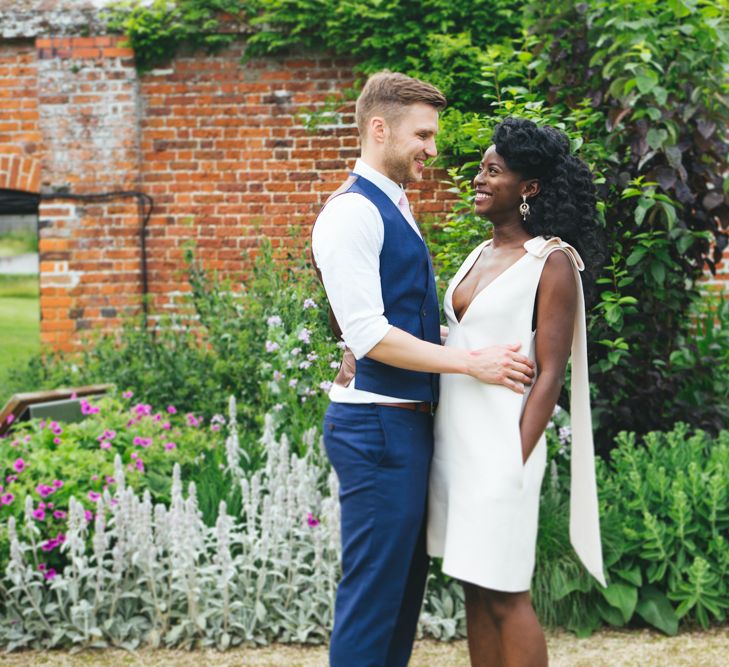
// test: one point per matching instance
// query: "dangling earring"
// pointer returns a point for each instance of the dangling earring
(524, 208)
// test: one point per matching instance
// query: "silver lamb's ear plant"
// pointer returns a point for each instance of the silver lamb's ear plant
(160, 576)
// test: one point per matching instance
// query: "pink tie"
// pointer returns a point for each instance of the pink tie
(404, 207)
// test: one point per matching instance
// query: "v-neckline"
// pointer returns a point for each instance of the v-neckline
(485, 287)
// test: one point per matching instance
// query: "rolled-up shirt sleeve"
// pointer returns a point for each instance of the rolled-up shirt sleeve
(346, 242)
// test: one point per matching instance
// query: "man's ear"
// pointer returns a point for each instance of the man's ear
(377, 129)
(531, 188)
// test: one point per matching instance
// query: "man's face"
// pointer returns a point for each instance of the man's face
(409, 142)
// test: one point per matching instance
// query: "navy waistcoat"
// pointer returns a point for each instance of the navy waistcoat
(409, 297)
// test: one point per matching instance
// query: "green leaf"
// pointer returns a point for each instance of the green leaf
(656, 138)
(646, 80)
(655, 608)
(623, 597)
(658, 271)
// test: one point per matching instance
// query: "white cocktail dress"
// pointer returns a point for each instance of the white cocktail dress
(483, 504)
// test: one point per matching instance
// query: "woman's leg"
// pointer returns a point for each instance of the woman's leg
(503, 630)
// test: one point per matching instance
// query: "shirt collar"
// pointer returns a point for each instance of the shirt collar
(388, 186)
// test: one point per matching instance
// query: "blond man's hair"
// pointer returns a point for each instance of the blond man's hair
(389, 94)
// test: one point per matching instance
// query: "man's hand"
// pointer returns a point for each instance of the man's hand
(502, 364)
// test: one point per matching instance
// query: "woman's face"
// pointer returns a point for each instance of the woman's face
(498, 188)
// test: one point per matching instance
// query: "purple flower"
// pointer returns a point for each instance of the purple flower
(305, 336)
(278, 375)
(87, 408)
(7, 498)
(57, 484)
(311, 520)
(57, 441)
(272, 346)
(295, 352)
(325, 386)
(11, 478)
(110, 479)
(19, 465)
(140, 465)
(105, 444)
(44, 490)
(127, 394)
(192, 420)
(42, 567)
(142, 442)
(39, 514)
(170, 445)
(312, 356)
(171, 409)
(304, 365)
(88, 515)
(309, 303)
(274, 321)
(334, 364)
(94, 497)
(143, 409)
(49, 545)
(59, 514)
(50, 574)
(166, 426)
(293, 383)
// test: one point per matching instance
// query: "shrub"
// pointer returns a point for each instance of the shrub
(269, 345)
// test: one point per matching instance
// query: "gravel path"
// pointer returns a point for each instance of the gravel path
(604, 649)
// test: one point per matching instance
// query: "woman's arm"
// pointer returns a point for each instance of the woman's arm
(556, 307)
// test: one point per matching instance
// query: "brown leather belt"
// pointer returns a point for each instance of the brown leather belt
(422, 406)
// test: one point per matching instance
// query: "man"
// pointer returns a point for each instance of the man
(379, 281)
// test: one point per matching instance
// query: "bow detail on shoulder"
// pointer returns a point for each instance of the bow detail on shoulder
(541, 247)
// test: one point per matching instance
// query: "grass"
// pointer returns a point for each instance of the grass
(19, 322)
(18, 242)
(608, 648)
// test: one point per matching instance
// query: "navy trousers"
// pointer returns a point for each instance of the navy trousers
(382, 458)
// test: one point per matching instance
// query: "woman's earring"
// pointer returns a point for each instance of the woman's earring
(524, 208)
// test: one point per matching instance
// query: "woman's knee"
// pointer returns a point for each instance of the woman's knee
(500, 605)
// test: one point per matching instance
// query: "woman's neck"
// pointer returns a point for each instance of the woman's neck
(509, 234)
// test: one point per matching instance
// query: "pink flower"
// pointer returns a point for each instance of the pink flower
(105, 444)
(134, 455)
(93, 496)
(170, 445)
(166, 426)
(272, 346)
(110, 480)
(57, 441)
(59, 514)
(127, 394)
(11, 478)
(43, 490)
(50, 506)
(311, 520)
(7, 498)
(41, 566)
(171, 409)
(49, 545)
(20, 465)
(50, 574)
(57, 484)
(143, 409)
(10, 419)
(192, 420)
(140, 465)
(94, 478)
(74, 396)
(39, 514)
(157, 417)
(88, 515)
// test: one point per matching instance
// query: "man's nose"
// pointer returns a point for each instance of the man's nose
(431, 149)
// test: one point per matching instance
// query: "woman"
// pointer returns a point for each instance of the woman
(490, 451)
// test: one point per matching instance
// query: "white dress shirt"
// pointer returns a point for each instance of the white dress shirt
(346, 242)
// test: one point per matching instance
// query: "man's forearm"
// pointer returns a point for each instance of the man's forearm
(499, 364)
(401, 349)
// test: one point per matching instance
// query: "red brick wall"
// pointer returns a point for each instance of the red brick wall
(218, 145)
(227, 158)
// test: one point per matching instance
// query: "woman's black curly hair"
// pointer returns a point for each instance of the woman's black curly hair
(565, 205)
